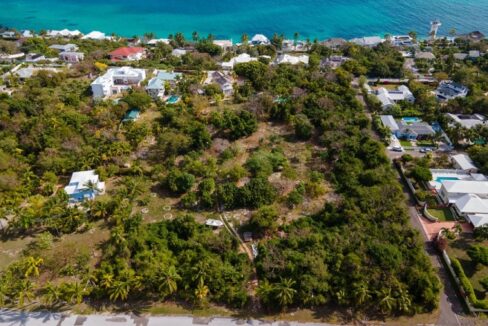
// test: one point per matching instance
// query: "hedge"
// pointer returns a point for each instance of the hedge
(466, 285)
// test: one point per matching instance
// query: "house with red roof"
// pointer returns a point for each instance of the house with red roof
(128, 54)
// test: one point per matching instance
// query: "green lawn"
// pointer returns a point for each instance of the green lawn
(425, 143)
(405, 143)
(443, 214)
(458, 249)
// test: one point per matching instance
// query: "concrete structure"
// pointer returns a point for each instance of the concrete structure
(434, 28)
(116, 80)
(156, 85)
(388, 98)
(463, 162)
(260, 39)
(66, 33)
(467, 121)
(72, 57)
(128, 54)
(241, 58)
(292, 60)
(369, 41)
(84, 185)
(449, 90)
(65, 47)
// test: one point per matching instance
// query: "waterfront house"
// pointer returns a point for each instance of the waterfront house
(64, 47)
(96, 35)
(464, 163)
(72, 57)
(334, 43)
(370, 41)
(401, 40)
(65, 33)
(9, 35)
(84, 185)
(292, 60)
(449, 90)
(475, 36)
(128, 54)
(226, 45)
(117, 80)
(467, 121)
(241, 58)
(26, 33)
(156, 85)
(260, 39)
(154, 41)
(389, 97)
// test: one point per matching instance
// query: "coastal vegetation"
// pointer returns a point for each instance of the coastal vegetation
(290, 158)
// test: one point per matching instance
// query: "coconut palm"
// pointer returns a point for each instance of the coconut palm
(26, 292)
(403, 301)
(361, 294)
(296, 35)
(284, 291)
(168, 281)
(387, 302)
(245, 39)
(201, 292)
(265, 291)
(107, 280)
(32, 266)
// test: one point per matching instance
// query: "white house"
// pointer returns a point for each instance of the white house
(63, 33)
(401, 40)
(452, 190)
(117, 80)
(178, 53)
(155, 41)
(84, 185)
(464, 162)
(369, 41)
(467, 121)
(10, 58)
(449, 90)
(241, 58)
(34, 57)
(222, 79)
(259, 39)
(424, 55)
(224, 44)
(64, 47)
(291, 59)
(72, 57)
(388, 98)
(96, 35)
(156, 86)
(334, 61)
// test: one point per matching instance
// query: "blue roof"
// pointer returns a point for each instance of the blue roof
(167, 76)
(132, 115)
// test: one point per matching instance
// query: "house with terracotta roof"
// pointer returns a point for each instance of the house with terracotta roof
(128, 54)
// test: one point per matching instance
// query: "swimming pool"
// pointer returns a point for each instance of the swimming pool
(411, 119)
(442, 179)
(173, 99)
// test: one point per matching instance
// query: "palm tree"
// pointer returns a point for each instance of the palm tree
(51, 294)
(265, 291)
(245, 39)
(284, 292)
(25, 292)
(107, 280)
(194, 36)
(361, 294)
(32, 266)
(92, 187)
(201, 292)
(296, 35)
(387, 302)
(168, 281)
(119, 290)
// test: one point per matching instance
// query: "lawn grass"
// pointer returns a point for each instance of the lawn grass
(442, 214)
(458, 249)
(425, 143)
(405, 143)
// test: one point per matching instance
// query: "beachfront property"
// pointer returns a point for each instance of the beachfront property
(449, 90)
(292, 60)
(241, 58)
(128, 54)
(389, 98)
(401, 40)
(26, 33)
(97, 36)
(226, 45)
(464, 163)
(370, 41)
(116, 80)
(333, 62)
(224, 80)
(64, 47)
(467, 121)
(334, 43)
(65, 33)
(157, 85)
(156, 41)
(475, 36)
(260, 39)
(9, 35)
(84, 185)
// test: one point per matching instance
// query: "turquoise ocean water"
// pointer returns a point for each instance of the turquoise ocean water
(230, 18)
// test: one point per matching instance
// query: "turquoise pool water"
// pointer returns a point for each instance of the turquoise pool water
(410, 119)
(173, 99)
(442, 179)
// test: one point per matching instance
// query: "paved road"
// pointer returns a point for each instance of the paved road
(44, 318)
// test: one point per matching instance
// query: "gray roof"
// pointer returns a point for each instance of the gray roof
(389, 122)
(418, 128)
